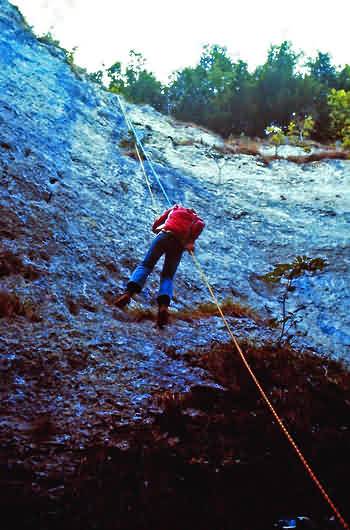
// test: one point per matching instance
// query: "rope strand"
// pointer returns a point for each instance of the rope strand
(139, 143)
(154, 205)
(268, 402)
(279, 421)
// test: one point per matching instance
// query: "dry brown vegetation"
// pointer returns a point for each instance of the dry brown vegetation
(11, 306)
(323, 155)
(205, 310)
(228, 307)
(252, 147)
(202, 456)
(240, 148)
(11, 264)
(305, 159)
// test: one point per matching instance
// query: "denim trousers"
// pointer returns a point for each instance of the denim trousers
(164, 243)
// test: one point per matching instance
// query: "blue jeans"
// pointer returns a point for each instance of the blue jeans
(164, 243)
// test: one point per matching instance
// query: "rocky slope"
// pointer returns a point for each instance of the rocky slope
(83, 383)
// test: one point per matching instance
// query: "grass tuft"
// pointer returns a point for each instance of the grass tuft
(205, 310)
(228, 307)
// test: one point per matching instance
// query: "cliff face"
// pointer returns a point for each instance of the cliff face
(75, 207)
(76, 213)
(75, 217)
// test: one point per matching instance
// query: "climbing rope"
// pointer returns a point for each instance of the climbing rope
(279, 421)
(154, 204)
(139, 143)
(268, 402)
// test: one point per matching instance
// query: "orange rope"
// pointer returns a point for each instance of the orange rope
(269, 404)
(285, 431)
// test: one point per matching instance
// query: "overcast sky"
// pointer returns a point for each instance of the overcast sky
(171, 34)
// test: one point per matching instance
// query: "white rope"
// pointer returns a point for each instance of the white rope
(139, 143)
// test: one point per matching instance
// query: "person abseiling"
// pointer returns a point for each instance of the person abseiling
(177, 229)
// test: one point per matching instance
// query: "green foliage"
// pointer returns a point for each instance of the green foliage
(70, 55)
(339, 103)
(321, 68)
(343, 79)
(116, 82)
(299, 129)
(292, 130)
(307, 126)
(48, 38)
(96, 77)
(284, 274)
(276, 136)
(297, 268)
(346, 138)
(136, 83)
(212, 93)
(277, 86)
(222, 95)
(322, 76)
(51, 41)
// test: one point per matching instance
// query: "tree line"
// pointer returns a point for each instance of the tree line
(224, 96)
(287, 95)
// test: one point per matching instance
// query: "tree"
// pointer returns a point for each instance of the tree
(213, 92)
(97, 77)
(276, 86)
(188, 94)
(276, 136)
(339, 104)
(300, 127)
(284, 275)
(222, 95)
(201, 91)
(324, 76)
(136, 83)
(116, 83)
(322, 70)
(343, 80)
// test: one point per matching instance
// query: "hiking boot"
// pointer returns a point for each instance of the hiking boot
(123, 300)
(163, 316)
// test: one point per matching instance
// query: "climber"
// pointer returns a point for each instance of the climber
(177, 229)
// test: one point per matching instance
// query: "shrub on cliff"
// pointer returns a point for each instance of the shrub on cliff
(284, 274)
(339, 103)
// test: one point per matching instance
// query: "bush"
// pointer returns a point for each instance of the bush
(276, 136)
(339, 103)
(48, 38)
(284, 274)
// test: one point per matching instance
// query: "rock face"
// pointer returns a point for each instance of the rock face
(75, 208)
(75, 217)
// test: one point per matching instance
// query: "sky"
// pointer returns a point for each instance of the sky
(170, 35)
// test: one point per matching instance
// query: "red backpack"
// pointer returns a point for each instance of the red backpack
(183, 222)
